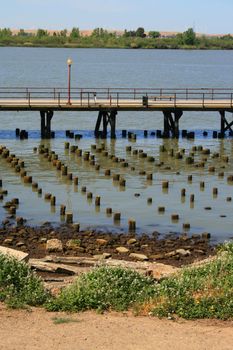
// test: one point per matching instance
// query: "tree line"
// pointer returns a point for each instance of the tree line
(100, 37)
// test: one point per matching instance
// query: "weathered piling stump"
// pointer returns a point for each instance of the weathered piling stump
(34, 185)
(69, 217)
(89, 195)
(62, 210)
(175, 217)
(53, 201)
(107, 172)
(76, 181)
(117, 217)
(69, 176)
(67, 145)
(192, 197)
(149, 176)
(97, 201)
(83, 189)
(165, 184)
(183, 192)
(27, 179)
(132, 225)
(122, 182)
(47, 196)
(186, 226)
(108, 211)
(215, 191)
(161, 210)
(202, 185)
(190, 178)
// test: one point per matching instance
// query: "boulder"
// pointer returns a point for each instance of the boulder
(54, 245)
(18, 255)
(122, 250)
(140, 257)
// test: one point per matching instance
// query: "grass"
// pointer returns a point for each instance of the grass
(19, 286)
(201, 292)
(62, 320)
(102, 289)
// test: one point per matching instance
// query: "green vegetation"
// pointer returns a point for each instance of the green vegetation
(102, 289)
(62, 320)
(101, 38)
(19, 287)
(200, 292)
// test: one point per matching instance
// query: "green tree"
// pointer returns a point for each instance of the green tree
(75, 33)
(5, 32)
(140, 32)
(63, 33)
(189, 37)
(41, 33)
(154, 34)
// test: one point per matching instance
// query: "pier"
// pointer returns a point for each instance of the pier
(109, 102)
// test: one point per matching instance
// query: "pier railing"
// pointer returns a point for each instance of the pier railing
(115, 96)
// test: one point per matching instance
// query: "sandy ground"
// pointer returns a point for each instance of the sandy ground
(35, 329)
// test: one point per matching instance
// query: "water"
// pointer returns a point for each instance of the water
(120, 68)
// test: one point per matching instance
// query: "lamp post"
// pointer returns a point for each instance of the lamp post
(69, 63)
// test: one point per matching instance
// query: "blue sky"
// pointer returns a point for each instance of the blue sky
(206, 16)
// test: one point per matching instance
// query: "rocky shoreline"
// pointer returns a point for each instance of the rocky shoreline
(67, 240)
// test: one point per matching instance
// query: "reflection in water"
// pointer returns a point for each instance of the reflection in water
(196, 182)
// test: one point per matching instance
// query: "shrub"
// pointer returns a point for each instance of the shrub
(203, 292)
(18, 284)
(104, 288)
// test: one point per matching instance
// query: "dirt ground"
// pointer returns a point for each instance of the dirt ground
(37, 329)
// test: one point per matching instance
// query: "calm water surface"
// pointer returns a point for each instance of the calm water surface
(120, 68)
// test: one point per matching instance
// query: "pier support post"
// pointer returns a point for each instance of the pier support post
(225, 124)
(171, 124)
(46, 117)
(106, 117)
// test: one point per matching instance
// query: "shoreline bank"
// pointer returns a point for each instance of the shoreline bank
(67, 240)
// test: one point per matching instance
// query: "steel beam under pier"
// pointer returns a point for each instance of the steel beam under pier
(46, 117)
(225, 124)
(171, 124)
(106, 117)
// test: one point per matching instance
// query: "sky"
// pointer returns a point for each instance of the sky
(205, 16)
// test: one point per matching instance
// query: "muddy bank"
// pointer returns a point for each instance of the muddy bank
(176, 250)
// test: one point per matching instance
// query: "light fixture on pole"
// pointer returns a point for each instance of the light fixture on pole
(69, 63)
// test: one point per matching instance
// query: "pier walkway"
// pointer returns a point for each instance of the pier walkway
(109, 101)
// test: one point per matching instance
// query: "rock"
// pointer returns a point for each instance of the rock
(206, 235)
(73, 244)
(140, 257)
(8, 241)
(160, 271)
(157, 256)
(171, 254)
(54, 245)
(183, 252)
(101, 241)
(18, 255)
(122, 250)
(107, 255)
(40, 265)
(20, 244)
(43, 240)
(131, 241)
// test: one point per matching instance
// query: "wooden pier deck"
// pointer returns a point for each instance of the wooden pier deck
(109, 101)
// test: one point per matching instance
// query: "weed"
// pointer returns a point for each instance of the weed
(18, 285)
(61, 320)
(102, 289)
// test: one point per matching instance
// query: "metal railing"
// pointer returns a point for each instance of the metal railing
(115, 96)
